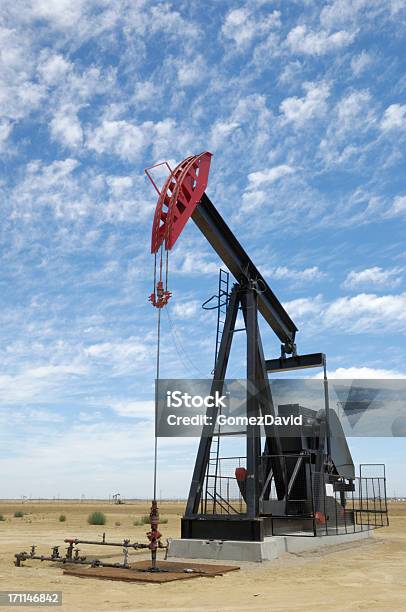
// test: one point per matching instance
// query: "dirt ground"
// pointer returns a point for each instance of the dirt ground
(370, 575)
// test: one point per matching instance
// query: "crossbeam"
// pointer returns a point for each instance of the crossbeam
(297, 362)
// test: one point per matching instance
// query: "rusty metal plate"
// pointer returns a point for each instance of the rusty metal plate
(175, 570)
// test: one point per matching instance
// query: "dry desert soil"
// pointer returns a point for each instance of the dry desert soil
(370, 575)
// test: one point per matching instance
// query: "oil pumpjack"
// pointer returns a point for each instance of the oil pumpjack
(281, 478)
(286, 483)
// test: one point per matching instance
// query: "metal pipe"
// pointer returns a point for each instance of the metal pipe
(125, 544)
(24, 556)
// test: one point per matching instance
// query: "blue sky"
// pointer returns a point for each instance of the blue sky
(302, 105)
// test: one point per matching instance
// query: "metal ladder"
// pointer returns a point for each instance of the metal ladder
(222, 303)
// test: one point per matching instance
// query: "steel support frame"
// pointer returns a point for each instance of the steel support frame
(203, 453)
(253, 485)
(259, 401)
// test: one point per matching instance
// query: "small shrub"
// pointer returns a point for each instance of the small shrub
(18, 514)
(146, 519)
(2, 517)
(96, 518)
(117, 523)
(62, 518)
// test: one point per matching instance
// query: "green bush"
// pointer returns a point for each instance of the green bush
(145, 519)
(18, 514)
(97, 518)
(62, 518)
(2, 517)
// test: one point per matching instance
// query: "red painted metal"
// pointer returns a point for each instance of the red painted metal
(154, 535)
(178, 198)
(320, 518)
(149, 175)
(160, 297)
(241, 474)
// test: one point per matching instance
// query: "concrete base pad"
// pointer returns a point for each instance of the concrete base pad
(271, 548)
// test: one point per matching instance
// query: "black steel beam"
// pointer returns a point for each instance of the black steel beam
(253, 484)
(230, 251)
(223, 528)
(273, 445)
(203, 452)
(298, 362)
(273, 442)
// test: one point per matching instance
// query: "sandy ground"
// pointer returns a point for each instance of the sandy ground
(367, 576)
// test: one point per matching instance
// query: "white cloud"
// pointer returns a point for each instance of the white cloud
(191, 73)
(39, 384)
(186, 310)
(19, 94)
(45, 176)
(270, 175)
(5, 131)
(192, 263)
(374, 276)
(241, 26)
(304, 307)
(66, 127)
(89, 417)
(351, 109)
(144, 409)
(165, 137)
(394, 117)
(163, 18)
(349, 122)
(124, 356)
(367, 313)
(119, 184)
(359, 63)
(314, 104)
(245, 127)
(360, 13)
(257, 191)
(398, 207)
(305, 275)
(110, 451)
(81, 86)
(360, 373)
(221, 131)
(62, 14)
(145, 91)
(54, 68)
(302, 40)
(56, 186)
(129, 141)
(357, 314)
(235, 27)
(19, 416)
(56, 170)
(251, 199)
(73, 192)
(121, 138)
(396, 6)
